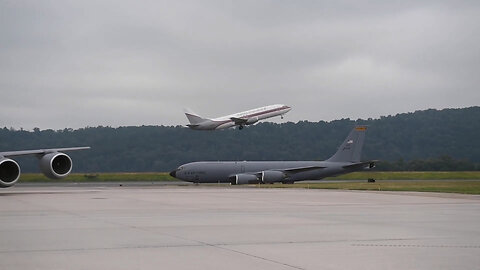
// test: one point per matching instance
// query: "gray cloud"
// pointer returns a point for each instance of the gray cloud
(75, 64)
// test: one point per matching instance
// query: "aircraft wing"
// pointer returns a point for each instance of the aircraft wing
(40, 151)
(302, 169)
(360, 165)
(239, 121)
(294, 170)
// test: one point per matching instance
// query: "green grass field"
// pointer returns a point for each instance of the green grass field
(473, 175)
(446, 186)
(451, 182)
(447, 182)
(100, 177)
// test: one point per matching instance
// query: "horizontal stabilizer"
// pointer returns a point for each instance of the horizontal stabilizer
(360, 165)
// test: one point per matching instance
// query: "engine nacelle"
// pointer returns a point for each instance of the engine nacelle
(269, 177)
(243, 179)
(251, 120)
(56, 165)
(9, 172)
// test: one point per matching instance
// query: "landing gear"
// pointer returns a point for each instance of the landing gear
(240, 127)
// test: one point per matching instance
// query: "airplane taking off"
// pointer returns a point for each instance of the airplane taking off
(53, 163)
(240, 119)
(345, 160)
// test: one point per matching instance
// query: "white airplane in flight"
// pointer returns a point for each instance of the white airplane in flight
(240, 119)
(53, 163)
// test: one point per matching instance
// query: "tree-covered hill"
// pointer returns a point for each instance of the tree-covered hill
(428, 134)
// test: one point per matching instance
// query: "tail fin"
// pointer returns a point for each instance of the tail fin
(193, 118)
(351, 148)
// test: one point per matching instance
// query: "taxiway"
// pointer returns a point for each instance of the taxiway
(196, 227)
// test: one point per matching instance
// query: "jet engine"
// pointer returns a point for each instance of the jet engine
(9, 172)
(269, 177)
(242, 179)
(251, 120)
(55, 165)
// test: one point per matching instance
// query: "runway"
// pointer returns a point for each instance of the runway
(197, 227)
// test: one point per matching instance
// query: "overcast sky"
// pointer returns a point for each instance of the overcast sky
(72, 64)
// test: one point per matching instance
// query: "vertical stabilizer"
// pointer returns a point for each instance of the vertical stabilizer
(193, 118)
(351, 148)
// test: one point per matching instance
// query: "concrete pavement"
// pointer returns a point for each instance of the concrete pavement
(196, 227)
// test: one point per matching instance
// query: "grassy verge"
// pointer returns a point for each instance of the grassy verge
(163, 176)
(446, 186)
(473, 175)
(451, 182)
(100, 177)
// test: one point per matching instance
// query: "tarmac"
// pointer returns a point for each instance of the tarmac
(210, 227)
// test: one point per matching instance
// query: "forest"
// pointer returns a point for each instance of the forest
(422, 140)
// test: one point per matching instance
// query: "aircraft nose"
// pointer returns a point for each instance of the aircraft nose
(173, 173)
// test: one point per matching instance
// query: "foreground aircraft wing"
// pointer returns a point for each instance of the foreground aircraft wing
(360, 165)
(40, 151)
(52, 162)
(239, 121)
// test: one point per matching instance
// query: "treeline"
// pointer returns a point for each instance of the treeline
(443, 163)
(408, 141)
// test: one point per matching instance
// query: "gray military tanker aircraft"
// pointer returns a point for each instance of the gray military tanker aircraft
(53, 163)
(345, 160)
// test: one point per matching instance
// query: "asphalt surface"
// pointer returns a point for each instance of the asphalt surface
(198, 227)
